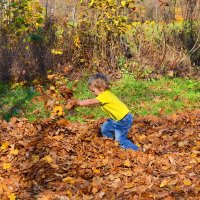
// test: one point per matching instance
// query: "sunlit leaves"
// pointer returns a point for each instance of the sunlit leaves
(58, 110)
(48, 159)
(6, 166)
(12, 196)
(56, 52)
(4, 145)
(16, 23)
(187, 182)
(69, 180)
(14, 152)
(73, 160)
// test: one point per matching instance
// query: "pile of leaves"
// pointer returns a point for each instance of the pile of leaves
(57, 159)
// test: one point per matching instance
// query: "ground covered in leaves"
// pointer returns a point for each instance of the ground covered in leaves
(52, 160)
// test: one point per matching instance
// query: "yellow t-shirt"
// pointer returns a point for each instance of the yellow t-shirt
(112, 105)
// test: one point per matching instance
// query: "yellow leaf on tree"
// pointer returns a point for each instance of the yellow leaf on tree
(123, 3)
(12, 196)
(187, 182)
(4, 145)
(69, 180)
(6, 166)
(14, 152)
(48, 159)
(91, 2)
(57, 52)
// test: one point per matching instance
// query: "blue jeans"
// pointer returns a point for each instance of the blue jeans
(118, 130)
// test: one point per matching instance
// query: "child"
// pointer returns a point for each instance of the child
(121, 120)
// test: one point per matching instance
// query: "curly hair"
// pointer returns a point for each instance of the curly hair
(99, 81)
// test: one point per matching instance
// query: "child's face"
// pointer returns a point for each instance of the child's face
(95, 90)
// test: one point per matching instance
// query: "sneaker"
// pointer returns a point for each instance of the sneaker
(141, 149)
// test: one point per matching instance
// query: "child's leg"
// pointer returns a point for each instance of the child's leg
(107, 129)
(121, 131)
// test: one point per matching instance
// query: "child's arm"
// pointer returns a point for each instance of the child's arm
(87, 102)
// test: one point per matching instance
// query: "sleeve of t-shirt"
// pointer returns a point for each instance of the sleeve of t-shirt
(101, 98)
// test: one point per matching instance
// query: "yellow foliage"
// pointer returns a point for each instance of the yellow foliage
(48, 159)
(58, 110)
(96, 171)
(69, 180)
(187, 182)
(14, 152)
(51, 76)
(6, 166)
(12, 196)
(123, 3)
(127, 163)
(4, 145)
(57, 52)
(35, 158)
(164, 183)
(91, 3)
(77, 42)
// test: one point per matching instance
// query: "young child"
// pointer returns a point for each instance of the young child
(121, 119)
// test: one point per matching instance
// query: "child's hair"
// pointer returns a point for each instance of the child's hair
(99, 81)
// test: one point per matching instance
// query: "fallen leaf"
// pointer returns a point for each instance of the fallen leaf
(96, 171)
(6, 166)
(14, 152)
(164, 183)
(69, 180)
(12, 196)
(58, 110)
(4, 145)
(187, 182)
(127, 163)
(47, 158)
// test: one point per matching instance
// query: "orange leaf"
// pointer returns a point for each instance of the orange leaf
(127, 163)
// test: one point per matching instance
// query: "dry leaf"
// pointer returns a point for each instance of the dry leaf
(58, 110)
(69, 180)
(127, 163)
(6, 166)
(14, 152)
(48, 159)
(164, 183)
(12, 196)
(187, 182)
(4, 145)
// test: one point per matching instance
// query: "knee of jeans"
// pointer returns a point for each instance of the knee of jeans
(103, 129)
(118, 136)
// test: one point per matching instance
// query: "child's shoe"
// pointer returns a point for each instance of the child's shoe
(141, 149)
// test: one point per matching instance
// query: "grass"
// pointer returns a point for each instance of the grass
(142, 97)
(16, 101)
(148, 97)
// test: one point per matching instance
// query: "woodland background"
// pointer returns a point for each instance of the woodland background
(149, 38)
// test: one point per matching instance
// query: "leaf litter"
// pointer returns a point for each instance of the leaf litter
(57, 159)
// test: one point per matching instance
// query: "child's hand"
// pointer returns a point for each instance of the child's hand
(71, 103)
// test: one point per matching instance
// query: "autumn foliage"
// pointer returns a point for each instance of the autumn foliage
(63, 160)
